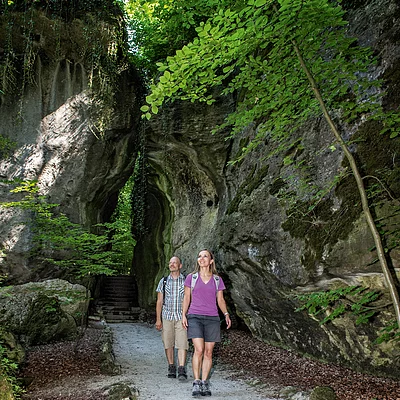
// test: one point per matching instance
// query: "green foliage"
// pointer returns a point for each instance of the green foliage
(355, 300)
(59, 242)
(139, 197)
(160, 27)
(9, 369)
(250, 50)
(63, 243)
(389, 332)
(6, 146)
(120, 229)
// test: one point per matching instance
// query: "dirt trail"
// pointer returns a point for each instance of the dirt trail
(71, 370)
(138, 349)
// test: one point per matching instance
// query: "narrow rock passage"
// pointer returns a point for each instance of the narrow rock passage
(139, 351)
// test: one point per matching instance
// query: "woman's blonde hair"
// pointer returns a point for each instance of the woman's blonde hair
(213, 268)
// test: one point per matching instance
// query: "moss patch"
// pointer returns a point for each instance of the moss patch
(5, 388)
(44, 312)
(378, 158)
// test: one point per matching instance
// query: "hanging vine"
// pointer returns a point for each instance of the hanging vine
(140, 190)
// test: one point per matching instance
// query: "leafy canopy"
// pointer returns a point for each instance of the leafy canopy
(249, 50)
(160, 27)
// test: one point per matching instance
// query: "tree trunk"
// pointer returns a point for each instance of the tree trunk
(360, 185)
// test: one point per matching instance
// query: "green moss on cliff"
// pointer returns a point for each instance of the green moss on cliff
(44, 312)
(377, 156)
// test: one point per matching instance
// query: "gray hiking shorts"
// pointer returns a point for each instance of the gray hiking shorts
(204, 327)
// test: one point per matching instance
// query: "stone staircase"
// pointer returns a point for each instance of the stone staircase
(118, 299)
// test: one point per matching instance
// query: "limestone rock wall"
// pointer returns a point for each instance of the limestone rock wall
(73, 122)
(266, 252)
(79, 142)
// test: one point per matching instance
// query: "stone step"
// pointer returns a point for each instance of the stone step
(114, 288)
(115, 294)
(126, 288)
(112, 310)
(120, 278)
(121, 312)
(120, 318)
(117, 308)
(111, 303)
(117, 291)
(119, 283)
(114, 316)
(118, 296)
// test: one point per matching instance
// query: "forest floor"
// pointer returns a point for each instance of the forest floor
(244, 368)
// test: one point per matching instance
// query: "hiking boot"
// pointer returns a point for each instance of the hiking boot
(182, 375)
(205, 388)
(196, 391)
(171, 371)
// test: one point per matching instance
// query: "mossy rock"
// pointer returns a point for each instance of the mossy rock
(42, 312)
(323, 393)
(121, 391)
(6, 392)
(13, 350)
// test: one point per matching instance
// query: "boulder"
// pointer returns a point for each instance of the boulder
(121, 391)
(41, 312)
(323, 393)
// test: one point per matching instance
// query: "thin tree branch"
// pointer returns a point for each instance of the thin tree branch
(383, 186)
(360, 185)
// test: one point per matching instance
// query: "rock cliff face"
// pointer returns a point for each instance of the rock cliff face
(266, 250)
(70, 113)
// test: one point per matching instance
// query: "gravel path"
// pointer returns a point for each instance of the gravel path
(139, 351)
(71, 370)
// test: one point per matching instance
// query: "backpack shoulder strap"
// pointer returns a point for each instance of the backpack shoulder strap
(194, 279)
(216, 279)
(164, 284)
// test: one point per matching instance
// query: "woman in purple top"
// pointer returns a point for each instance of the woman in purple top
(200, 317)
